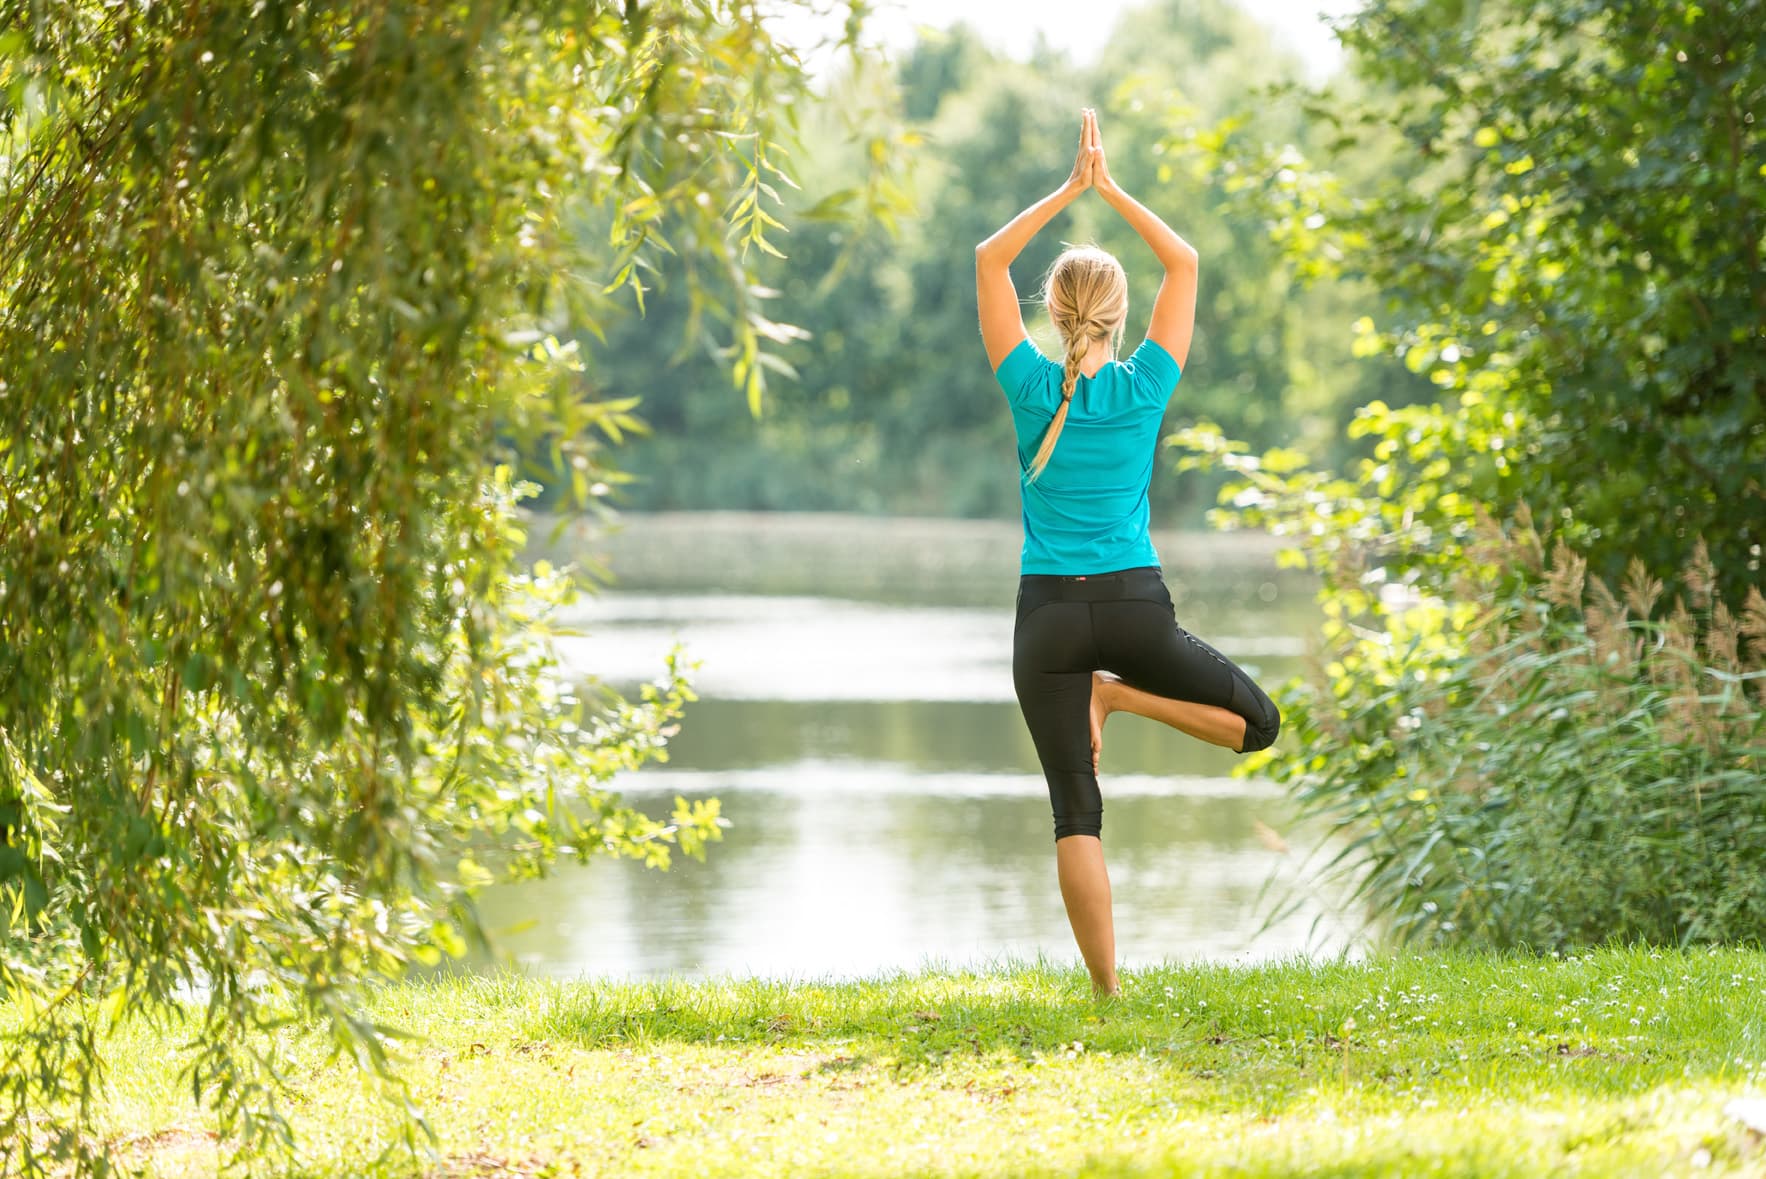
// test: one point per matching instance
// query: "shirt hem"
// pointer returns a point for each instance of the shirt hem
(1039, 569)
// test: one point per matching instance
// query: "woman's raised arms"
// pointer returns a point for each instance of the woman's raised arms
(1174, 310)
(1002, 323)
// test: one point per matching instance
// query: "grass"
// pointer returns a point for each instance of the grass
(1618, 1062)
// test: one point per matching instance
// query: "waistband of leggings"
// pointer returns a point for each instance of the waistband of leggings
(1091, 587)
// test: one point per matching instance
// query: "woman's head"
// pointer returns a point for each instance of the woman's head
(1087, 297)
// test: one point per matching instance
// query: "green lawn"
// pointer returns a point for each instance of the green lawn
(1614, 1063)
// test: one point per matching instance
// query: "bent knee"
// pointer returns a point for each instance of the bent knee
(1263, 720)
(1261, 729)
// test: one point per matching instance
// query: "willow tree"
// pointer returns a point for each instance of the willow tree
(279, 285)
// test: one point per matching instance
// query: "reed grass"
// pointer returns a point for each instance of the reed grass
(1543, 761)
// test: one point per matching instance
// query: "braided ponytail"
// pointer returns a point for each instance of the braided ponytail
(1087, 297)
(1078, 344)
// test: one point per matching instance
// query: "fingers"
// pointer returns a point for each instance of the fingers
(1094, 139)
(1090, 164)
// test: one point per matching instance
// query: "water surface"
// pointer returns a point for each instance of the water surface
(884, 802)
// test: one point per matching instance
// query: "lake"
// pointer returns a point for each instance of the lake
(884, 803)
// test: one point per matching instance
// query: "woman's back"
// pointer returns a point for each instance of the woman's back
(1087, 511)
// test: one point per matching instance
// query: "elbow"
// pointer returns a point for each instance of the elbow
(1186, 258)
(986, 254)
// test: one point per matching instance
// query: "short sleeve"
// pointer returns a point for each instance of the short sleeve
(1019, 371)
(1156, 372)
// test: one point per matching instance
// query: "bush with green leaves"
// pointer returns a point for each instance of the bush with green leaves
(1505, 750)
(280, 287)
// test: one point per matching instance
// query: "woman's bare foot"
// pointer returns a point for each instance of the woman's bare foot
(1206, 722)
(1102, 694)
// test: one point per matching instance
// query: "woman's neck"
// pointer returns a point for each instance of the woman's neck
(1101, 353)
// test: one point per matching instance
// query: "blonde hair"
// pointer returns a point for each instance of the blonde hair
(1087, 297)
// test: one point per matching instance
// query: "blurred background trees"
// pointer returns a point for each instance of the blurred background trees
(894, 410)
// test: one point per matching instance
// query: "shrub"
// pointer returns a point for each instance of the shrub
(1508, 751)
(1556, 767)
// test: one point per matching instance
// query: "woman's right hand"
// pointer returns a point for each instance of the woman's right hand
(1094, 148)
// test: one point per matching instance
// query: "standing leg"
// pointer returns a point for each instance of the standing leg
(1052, 658)
(1085, 889)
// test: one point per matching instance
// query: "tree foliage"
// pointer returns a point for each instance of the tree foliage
(1581, 243)
(275, 695)
(1516, 749)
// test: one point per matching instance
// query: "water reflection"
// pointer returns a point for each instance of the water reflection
(836, 873)
(886, 809)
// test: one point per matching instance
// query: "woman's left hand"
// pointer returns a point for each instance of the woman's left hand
(1081, 178)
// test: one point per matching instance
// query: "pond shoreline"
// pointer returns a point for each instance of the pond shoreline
(846, 554)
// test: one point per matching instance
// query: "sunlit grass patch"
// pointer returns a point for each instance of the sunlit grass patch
(1617, 1062)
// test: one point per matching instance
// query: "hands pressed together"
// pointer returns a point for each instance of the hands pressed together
(1174, 308)
(1090, 169)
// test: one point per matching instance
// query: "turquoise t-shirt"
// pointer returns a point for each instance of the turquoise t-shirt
(1087, 512)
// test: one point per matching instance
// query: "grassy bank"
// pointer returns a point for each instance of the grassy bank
(1615, 1063)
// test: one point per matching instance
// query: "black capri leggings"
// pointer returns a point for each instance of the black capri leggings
(1069, 627)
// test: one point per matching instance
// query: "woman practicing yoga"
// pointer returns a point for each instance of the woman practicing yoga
(1096, 632)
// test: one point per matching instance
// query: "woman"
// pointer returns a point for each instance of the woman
(1096, 632)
